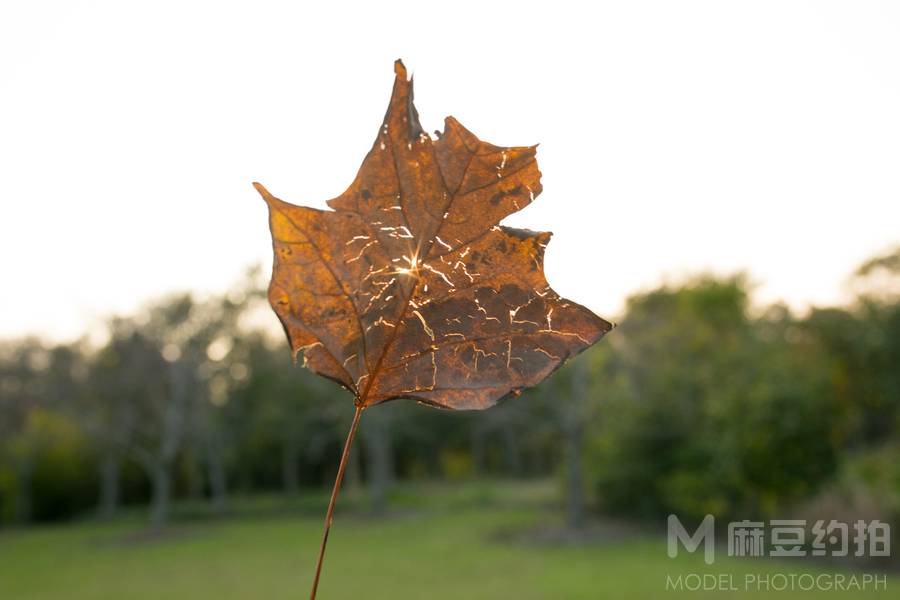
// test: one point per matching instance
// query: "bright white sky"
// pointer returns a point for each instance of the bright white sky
(676, 137)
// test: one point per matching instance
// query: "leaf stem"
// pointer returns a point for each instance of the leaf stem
(329, 515)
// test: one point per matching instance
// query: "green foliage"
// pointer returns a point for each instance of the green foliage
(698, 403)
(715, 411)
(867, 486)
(60, 463)
(63, 482)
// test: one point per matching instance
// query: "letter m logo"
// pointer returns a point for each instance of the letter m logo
(705, 534)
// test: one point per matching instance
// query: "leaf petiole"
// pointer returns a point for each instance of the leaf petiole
(329, 515)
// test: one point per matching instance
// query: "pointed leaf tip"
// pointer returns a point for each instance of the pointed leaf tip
(263, 191)
(400, 68)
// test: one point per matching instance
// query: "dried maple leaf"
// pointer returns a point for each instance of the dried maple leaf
(410, 288)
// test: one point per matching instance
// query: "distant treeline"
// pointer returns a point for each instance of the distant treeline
(699, 402)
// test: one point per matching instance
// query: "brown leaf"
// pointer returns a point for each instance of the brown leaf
(410, 287)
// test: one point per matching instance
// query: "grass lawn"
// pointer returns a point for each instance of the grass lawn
(443, 542)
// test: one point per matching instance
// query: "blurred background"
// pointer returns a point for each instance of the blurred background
(188, 446)
(732, 168)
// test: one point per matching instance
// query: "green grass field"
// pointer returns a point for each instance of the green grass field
(442, 542)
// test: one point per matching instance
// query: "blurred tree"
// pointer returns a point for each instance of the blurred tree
(121, 377)
(718, 413)
(697, 403)
(23, 393)
(863, 347)
(156, 381)
(574, 420)
(36, 383)
(221, 369)
(376, 437)
(572, 402)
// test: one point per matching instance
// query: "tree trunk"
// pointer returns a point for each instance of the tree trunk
(353, 478)
(244, 477)
(162, 496)
(478, 450)
(511, 452)
(109, 485)
(380, 459)
(574, 477)
(192, 473)
(24, 507)
(290, 464)
(218, 479)
(573, 424)
(170, 442)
